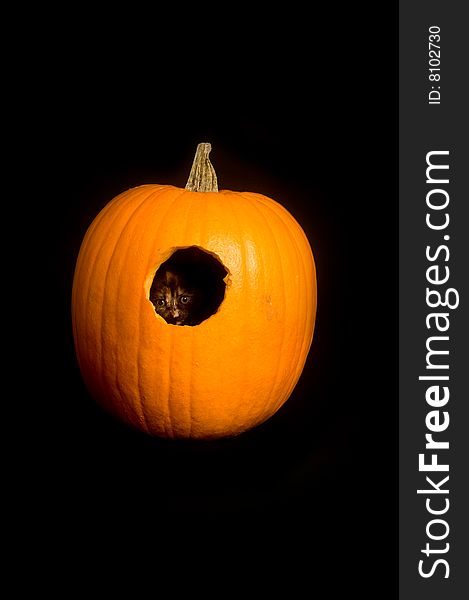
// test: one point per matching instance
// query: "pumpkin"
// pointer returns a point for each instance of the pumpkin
(237, 367)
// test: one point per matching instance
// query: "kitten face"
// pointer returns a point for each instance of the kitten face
(173, 299)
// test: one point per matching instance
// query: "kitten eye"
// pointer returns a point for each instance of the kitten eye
(184, 299)
(160, 302)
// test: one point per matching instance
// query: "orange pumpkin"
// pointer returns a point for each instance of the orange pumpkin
(237, 367)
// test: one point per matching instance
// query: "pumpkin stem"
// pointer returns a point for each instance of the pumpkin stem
(202, 177)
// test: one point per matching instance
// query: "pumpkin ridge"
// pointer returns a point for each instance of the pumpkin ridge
(298, 229)
(150, 263)
(191, 221)
(169, 393)
(127, 197)
(232, 202)
(252, 202)
(191, 360)
(171, 353)
(85, 248)
(262, 261)
(285, 216)
(141, 394)
(149, 196)
(309, 315)
(88, 273)
(170, 361)
(212, 202)
(287, 220)
(175, 199)
(303, 351)
(204, 207)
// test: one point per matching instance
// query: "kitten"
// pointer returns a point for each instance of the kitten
(175, 299)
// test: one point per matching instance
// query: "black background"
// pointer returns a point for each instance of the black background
(302, 108)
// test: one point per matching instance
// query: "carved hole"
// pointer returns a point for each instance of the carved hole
(188, 287)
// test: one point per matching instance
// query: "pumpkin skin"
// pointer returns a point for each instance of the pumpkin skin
(232, 371)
